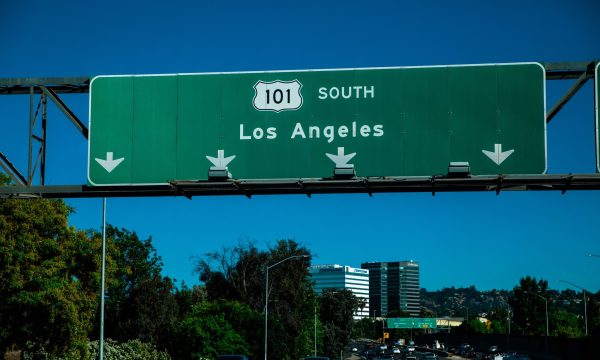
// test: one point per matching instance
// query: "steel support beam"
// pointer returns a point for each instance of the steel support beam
(566, 70)
(11, 170)
(66, 85)
(40, 157)
(31, 136)
(44, 140)
(65, 110)
(588, 73)
(189, 189)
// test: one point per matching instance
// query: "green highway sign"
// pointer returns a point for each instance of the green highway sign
(411, 323)
(379, 122)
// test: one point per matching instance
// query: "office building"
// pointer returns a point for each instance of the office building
(393, 286)
(343, 277)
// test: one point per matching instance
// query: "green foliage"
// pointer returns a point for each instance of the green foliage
(365, 329)
(529, 310)
(213, 328)
(46, 296)
(594, 314)
(140, 300)
(455, 301)
(565, 324)
(4, 179)
(398, 314)
(130, 350)
(337, 310)
(239, 274)
(499, 318)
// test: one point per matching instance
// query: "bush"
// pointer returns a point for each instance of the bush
(130, 350)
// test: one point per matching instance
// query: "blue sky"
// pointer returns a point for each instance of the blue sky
(460, 239)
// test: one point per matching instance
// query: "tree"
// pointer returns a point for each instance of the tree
(216, 327)
(337, 310)
(529, 310)
(365, 328)
(499, 321)
(398, 314)
(238, 274)
(48, 289)
(565, 324)
(140, 301)
(475, 326)
(594, 314)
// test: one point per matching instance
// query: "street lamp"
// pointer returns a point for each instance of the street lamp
(546, 300)
(584, 303)
(267, 292)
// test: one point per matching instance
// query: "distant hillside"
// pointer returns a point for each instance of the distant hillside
(455, 301)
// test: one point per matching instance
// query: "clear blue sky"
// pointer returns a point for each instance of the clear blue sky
(459, 239)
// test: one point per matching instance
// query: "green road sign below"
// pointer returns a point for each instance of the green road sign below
(380, 122)
(411, 323)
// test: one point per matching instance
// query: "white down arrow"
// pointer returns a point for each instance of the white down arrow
(498, 156)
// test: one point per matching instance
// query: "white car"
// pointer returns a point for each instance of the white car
(396, 350)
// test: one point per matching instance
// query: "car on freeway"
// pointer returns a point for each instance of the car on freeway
(232, 357)
(384, 357)
(395, 350)
(493, 349)
(464, 349)
(516, 356)
(429, 356)
(354, 349)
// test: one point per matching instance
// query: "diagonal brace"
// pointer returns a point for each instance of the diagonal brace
(68, 113)
(570, 93)
(11, 170)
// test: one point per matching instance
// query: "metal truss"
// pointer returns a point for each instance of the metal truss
(433, 185)
(49, 88)
(41, 89)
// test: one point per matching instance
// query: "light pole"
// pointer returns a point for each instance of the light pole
(546, 300)
(103, 279)
(315, 341)
(584, 303)
(267, 292)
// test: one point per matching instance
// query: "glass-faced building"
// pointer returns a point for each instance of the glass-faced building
(393, 286)
(340, 277)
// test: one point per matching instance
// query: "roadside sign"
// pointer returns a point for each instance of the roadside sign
(411, 323)
(382, 122)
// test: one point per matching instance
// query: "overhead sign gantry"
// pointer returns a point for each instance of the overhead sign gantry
(407, 129)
